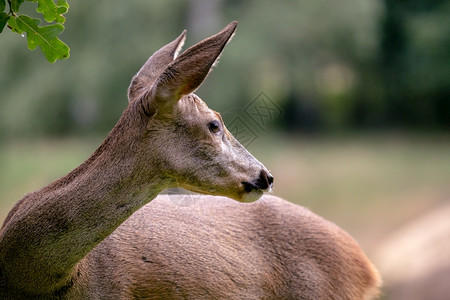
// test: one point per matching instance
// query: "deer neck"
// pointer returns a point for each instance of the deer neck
(62, 222)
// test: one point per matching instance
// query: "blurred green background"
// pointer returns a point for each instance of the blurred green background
(361, 91)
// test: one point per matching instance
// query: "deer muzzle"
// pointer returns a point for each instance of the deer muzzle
(263, 183)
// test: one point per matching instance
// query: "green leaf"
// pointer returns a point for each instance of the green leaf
(51, 11)
(2, 5)
(3, 19)
(13, 25)
(62, 4)
(15, 4)
(46, 37)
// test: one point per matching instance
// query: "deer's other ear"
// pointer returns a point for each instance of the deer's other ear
(185, 74)
(153, 67)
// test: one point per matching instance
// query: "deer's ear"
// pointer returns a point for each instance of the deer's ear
(153, 67)
(185, 74)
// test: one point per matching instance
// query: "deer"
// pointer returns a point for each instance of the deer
(104, 232)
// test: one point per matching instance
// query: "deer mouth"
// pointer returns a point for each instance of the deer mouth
(254, 189)
(250, 187)
(247, 191)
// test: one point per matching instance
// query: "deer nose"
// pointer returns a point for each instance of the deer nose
(270, 179)
(264, 182)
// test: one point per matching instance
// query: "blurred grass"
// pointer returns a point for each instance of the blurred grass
(29, 165)
(368, 185)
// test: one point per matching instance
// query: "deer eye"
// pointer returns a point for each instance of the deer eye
(214, 126)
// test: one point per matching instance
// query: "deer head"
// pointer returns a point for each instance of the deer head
(187, 141)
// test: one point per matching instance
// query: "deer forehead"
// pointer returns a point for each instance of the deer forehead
(195, 109)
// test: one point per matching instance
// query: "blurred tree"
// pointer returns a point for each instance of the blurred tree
(331, 66)
(408, 86)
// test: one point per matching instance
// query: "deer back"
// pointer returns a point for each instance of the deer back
(221, 249)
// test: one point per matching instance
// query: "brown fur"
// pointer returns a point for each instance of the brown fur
(72, 238)
(221, 249)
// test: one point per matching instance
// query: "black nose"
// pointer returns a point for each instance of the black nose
(270, 179)
(264, 182)
(265, 179)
